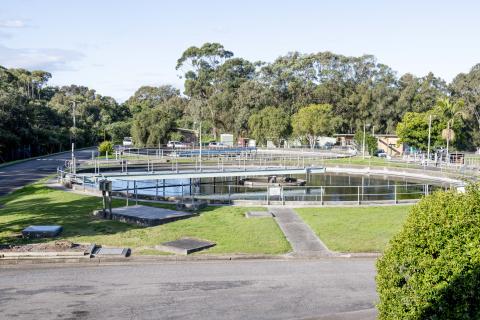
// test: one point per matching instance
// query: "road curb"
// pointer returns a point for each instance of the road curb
(139, 258)
(68, 260)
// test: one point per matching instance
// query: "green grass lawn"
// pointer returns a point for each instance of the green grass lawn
(355, 229)
(372, 161)
(227, 226)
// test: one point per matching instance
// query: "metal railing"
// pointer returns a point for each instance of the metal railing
(174, 164)
(227, 192)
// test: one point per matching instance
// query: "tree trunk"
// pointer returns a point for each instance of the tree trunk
(214, 132)
(311, 141)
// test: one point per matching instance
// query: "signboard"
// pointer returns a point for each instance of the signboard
(105, 185)
(226, 139)
(275, 191)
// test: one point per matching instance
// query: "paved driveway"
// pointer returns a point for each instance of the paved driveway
(254, 289)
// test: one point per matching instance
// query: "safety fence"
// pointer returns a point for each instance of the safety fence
(229, 192)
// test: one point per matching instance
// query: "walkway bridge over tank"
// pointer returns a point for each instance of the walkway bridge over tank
(205, 173)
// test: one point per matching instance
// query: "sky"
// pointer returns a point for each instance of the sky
(117, 46)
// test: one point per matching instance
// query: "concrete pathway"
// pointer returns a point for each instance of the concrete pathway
(303, 240)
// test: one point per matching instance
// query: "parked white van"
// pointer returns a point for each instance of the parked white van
(176, 144)
(127, 142)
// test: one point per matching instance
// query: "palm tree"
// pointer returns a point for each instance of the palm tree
(450, 111)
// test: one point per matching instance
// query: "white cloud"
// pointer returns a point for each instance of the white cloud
(48, 59)
(12, 24)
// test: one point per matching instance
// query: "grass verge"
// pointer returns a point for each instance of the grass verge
(227, 226)
(355, 229)
(372, 161)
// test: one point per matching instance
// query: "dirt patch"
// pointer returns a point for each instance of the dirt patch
(56, 246)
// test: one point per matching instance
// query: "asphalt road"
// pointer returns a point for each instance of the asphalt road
(17, 175)
(253, 289)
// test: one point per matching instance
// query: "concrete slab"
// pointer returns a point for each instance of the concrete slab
(123, 252)
(91, 249)
(41, 231)
(148, 216)
(185, 246)
(258, 214)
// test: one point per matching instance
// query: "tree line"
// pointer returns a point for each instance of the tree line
(297, 95)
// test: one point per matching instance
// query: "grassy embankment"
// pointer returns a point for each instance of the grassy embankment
(355, 229)
(227, 226)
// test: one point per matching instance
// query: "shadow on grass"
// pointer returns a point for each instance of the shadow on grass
(38, 205)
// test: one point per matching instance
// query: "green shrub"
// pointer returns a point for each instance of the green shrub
(176, 136)
(431, 269)
(106, 146)
(370, 142)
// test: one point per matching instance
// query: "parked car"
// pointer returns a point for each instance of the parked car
(380, 153)
(216, 145)
(176, 144)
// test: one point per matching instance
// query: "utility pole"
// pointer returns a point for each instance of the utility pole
(364, 133)
(73, 142)
(429, 135)
(200, 151)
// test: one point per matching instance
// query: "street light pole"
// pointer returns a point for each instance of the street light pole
(429, 135)
(448, 141)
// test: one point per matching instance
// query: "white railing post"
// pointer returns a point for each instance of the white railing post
(128, 187)
(229, 194)
(321, 195)
(268, 196)
(395, 194)
(358, 195)
(135, 191)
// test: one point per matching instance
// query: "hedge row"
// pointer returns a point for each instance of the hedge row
(431, 269)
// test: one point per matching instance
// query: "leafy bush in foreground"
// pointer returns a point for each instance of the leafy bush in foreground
(431, 269)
